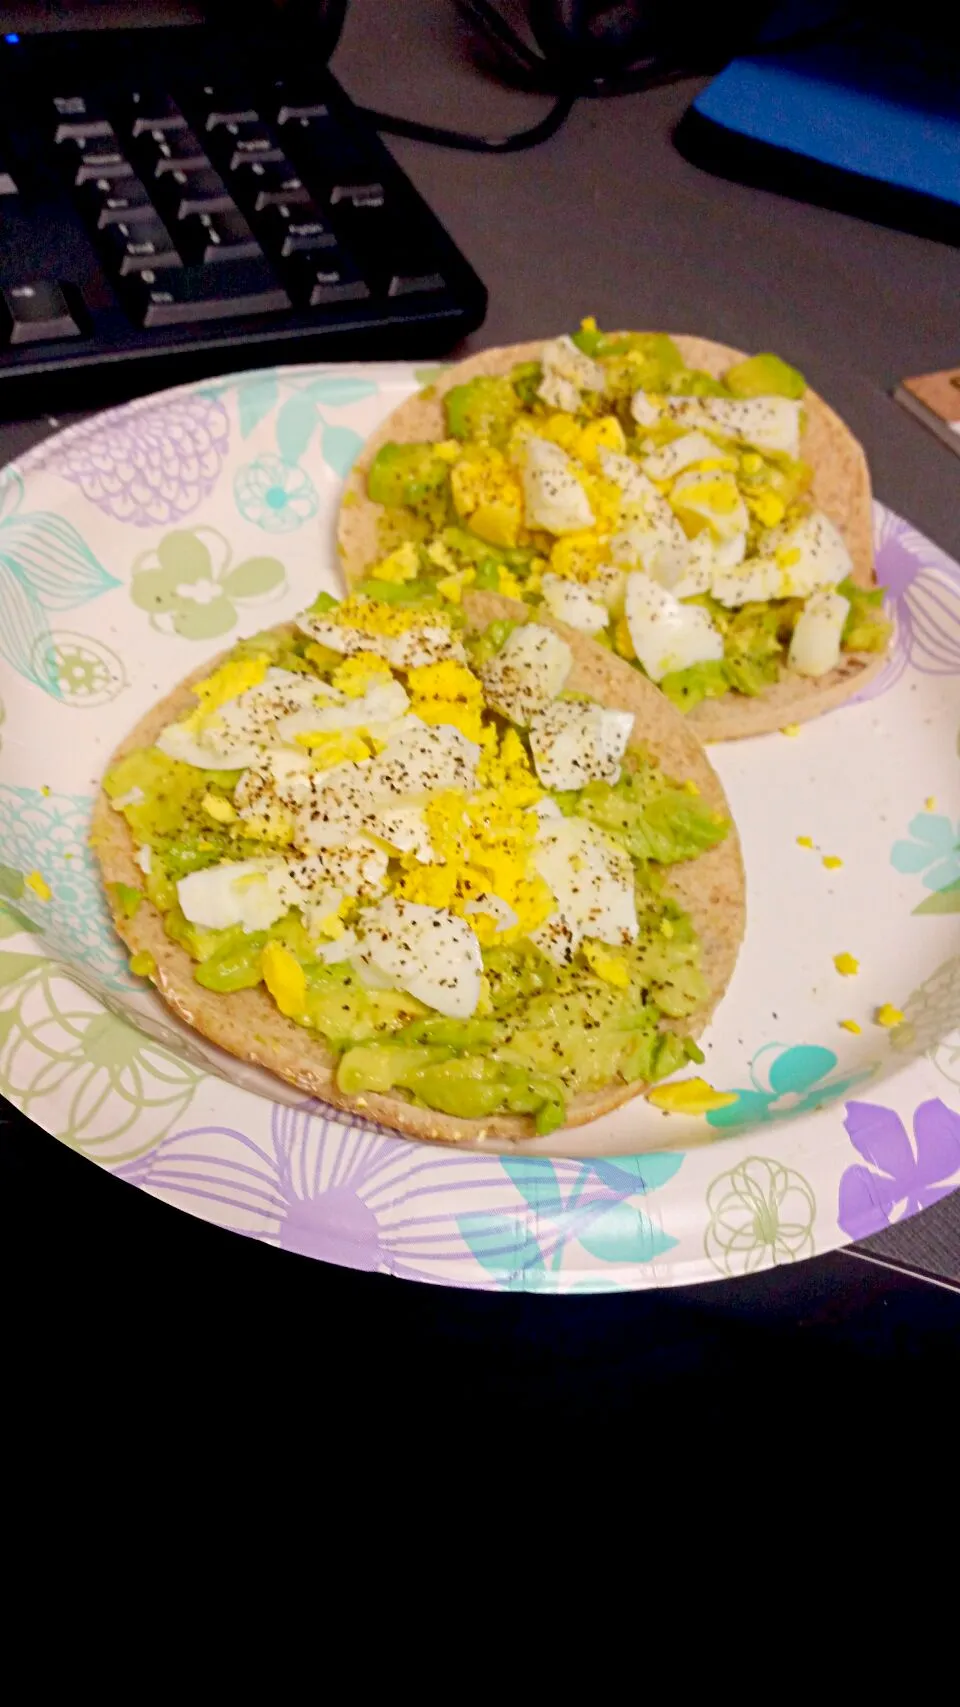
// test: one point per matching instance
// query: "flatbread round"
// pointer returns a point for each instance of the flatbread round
(841, 487)
(247, 1023)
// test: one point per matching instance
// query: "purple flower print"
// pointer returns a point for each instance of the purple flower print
(330, 1186)
(899, 1175)
(327, 1186)
(922, 587)
(149, 464)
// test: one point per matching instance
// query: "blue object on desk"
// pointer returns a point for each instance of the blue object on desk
(870, 124)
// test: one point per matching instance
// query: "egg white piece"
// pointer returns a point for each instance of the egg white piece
(591, 879)
(554, 498)
(645, 409)
(427, 951)
(495, 907)
(238, 732)
(824, 558)
(558, 392)
(679, 454)
(561, 356)
(709, 557)
(815, 643)
(425, 643)
(529, 670)
(380, 797)
(609, 585)
(574, 741)
(666, 634)
(378, 709)
(756, 579)
(716, 497)
(255, 893)
(652, 536)
(765, 423)
(571, 602)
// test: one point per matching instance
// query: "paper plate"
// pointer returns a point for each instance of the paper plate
(136, 545)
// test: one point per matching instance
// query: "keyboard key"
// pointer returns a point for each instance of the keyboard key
(36, 312)
(262, 184)
(415, 284)
(7, 185)
(102, 162)
(292, 112)
(249, 143)
(322, 284)
(150, 113)
(297, 230)
(171, 151)
(227, 291)
(227, 114)
(135, 247)
(217, 237)
(195, 192)
(78, 117)
(357, 197)
(110, 203)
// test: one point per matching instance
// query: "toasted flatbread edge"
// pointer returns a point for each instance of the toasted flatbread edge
(248, 1025)
(841, 487)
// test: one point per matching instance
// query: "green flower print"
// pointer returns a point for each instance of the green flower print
(80, 1071)
(189, 587)
(786, 1082)
(275, 495)
(760, 1214)
(87, 672)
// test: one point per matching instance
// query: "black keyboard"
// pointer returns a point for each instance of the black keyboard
(171, 206)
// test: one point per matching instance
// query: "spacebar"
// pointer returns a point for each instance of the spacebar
(181, 296)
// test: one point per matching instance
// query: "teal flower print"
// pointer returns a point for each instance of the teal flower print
(44, 566)
(274, 495)
(786, 1082)
(933, 850)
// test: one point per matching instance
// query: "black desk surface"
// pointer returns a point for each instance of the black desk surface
(608, 219)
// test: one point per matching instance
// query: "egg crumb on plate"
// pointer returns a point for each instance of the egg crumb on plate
(831, 861)
(846, 965)
(690, 1096)
(888, 1016)
(850, 1025)
(39, 885)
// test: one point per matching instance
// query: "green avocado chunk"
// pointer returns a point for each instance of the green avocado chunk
(482, 409)
(764, 376)
(652, 822)
(406, 474)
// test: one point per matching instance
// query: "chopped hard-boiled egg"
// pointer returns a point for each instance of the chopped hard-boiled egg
(592, 882)
(427, 951)
(812, 554)
(759, 578)
(574, 741)
(554, 498)
(712, 497)
(379, 709)
(682, 453)
(406, 638)
(666, 634)
(769, 423)
(237, 731)
(815, 644)
(255, 893)
(570, 602)
(529, 670)
(561, 356)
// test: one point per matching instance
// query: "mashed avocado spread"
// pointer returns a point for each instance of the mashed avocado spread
(665, 512)
(427, 851)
